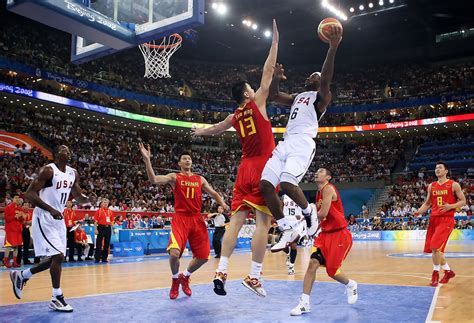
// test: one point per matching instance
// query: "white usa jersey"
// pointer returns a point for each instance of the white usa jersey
(56, 192)
(290, 208)
(303, 117)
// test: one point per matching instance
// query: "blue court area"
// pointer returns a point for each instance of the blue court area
(377, 303)
(428, 255)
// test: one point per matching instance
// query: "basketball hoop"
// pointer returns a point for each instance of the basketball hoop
(157, 57)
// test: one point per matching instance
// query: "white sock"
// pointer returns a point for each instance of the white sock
(223, 264)
(306, 211)
(57, 292)
(351, 283)
(187, 273)
(305, 298)
(436, 267)
(256, 270)
(445, 266)
(283, 224)
(175, 275)
(26, 273)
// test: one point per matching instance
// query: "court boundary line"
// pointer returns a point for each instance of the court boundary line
(429, 317)
(372, 284)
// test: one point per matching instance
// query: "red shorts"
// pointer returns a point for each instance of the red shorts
(334, 247)
(246, 195)
(193, 229)
(437, 236)
(13, 236)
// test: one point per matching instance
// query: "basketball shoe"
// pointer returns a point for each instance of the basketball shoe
(303, 307)
(59, 304)
(184, 280)
(174, 291)
(18, 282)
(312, 221)
(448, 274)
(291, 269)
(434, 278)
(290, 235)
(255, 285)
(351, 291)
(219, 283)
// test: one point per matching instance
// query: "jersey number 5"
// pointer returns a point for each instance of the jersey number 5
(189, 192)
(249, 125)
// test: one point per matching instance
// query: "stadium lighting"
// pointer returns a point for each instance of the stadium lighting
(254, 26)
(361, 7)
(244, 22)
(391, 1)
(267, 33)
(221, 9)
(381, 3)
(371, 5)
(351, 9)
(334, 10)
(214, 6)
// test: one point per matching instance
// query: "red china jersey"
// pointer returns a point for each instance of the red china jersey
(80, 236)
(254, 131)
(335, 219)
(69, 217)
(188, 194)
(442, 194)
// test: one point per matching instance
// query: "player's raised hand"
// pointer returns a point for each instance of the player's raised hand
(335, 37)
(276, 35)
(146, 153)
(279, 72)
(195, 131)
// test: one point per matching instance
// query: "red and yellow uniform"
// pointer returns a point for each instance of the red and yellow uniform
(257, 142)
(13, 225)
(80, 236)
(441, 223)
(69, 217)
(187, 223)
(103, 216)
(335, 240)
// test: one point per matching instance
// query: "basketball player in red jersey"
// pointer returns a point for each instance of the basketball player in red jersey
(331, 246)
(254, 129)
(444, 197)
(187, 223)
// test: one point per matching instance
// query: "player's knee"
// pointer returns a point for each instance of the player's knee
(266, 187)
(59, 258)
(174, 253)
(313, 265)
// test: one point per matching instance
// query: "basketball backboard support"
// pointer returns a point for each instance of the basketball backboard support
(151, 19)
(103, 27)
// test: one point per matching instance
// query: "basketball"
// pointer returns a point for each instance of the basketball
(325, 28)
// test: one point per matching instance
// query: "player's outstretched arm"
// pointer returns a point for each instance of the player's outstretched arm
(216, 129)
(459, 195)
(262, 93)
(328, 193)
(275, 94)
(328, 70)
(155, 179)
(76, 192)
(45, 175)
(206, 187)
(425, 207)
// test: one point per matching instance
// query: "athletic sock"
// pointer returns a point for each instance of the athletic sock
(223, 264)
(306, 211)
(175, 275)
(27, 274)
(445, 267)
(256, 270)
(187, 273)
(436, 267)
(305, 298)
(57, 292)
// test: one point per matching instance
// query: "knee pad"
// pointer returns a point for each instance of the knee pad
(319, 257)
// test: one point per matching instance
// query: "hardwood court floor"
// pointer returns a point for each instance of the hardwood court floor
(367, 263)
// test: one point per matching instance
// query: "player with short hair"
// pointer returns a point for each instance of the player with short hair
(292, 156)
(254, 129)
(187, 224)
(331, 246)
(444, 197)
(49, 192)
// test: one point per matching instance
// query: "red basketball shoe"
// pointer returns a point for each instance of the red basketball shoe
(174, 291)
(448, 274)
(184, 280)
(434, 278)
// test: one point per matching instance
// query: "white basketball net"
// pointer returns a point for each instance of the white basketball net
(157, 57)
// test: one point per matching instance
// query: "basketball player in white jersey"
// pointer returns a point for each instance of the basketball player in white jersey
(49, 192)
(292, 157)
(292, 212)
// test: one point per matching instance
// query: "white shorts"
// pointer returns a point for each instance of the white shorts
(49, 234)
(290, 160)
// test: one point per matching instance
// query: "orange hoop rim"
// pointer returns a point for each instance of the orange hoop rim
(178, 36)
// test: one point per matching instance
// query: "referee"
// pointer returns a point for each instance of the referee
(219, 223)
(103, 220)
